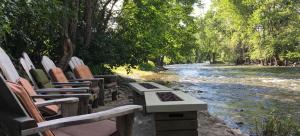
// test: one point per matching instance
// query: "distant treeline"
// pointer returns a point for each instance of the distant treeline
(265, 32)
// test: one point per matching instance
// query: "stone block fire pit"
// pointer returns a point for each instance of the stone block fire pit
(175, 112)
(143, 87)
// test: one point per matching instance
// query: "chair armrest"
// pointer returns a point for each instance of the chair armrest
(57, 101)
(76, 84)
(83, 119)
(63, 90)
(53, 96)
(108, 78)
(92, 79)
(105, 76)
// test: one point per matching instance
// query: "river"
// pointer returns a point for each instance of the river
(240, 94)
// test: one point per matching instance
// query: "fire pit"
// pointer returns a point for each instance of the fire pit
(175, 112)
(148, 86)
(167, 96)
(141, 88)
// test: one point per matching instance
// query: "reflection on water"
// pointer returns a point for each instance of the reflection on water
(238, 94)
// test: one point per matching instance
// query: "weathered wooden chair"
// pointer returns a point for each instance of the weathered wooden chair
(81, 71)
(57, 75)
(19, 116)
(11, 74)
(40, 79)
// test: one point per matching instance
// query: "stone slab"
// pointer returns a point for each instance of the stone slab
(188, 103)
(141, 89)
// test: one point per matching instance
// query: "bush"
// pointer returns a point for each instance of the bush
(149, 66)
(277, 125)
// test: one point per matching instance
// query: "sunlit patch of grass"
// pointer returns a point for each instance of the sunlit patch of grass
(138, 74)
(133, 72)
(277, 125)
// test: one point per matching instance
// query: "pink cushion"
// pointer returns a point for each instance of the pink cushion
(101, 128)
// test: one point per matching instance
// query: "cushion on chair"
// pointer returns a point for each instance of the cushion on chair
(28, 104)
(101, 128)
(48, 110)
(83, 72)
(41, 78)
(58, 75)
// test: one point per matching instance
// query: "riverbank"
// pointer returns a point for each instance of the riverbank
(208, 124)
(239, 95)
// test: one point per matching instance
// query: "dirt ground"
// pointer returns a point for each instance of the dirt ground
(144, 125)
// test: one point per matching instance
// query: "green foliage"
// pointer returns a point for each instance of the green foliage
(148, 66)
(155, 28)
(138, 32)
(240, 31)
(31, 26)
(100, 69)
(277, 125)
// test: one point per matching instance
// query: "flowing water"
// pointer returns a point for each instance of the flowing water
(240, 94)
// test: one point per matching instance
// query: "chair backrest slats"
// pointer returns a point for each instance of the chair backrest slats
(7, 67)
(48, 64)
(9, 101)
(28, 60)
(75, 61)
(27, 67)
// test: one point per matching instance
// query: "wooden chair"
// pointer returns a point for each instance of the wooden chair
(41, 80)
(19, 116)
(39, 95)
(81, 71)
(27, 65)
(57, 75)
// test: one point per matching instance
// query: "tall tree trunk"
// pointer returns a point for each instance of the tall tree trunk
(68, 53)
(88, 22)
(285, 62)
(73, 21)
(213, 58)
(159, 62)
(65, 20)
(275, 61)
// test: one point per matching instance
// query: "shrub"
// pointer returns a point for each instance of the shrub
(277, 125)
(149, 66)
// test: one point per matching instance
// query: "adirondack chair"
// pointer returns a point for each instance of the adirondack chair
(81, 71)
(57, 75)
(11, 74)
(28, 66)
(19, 116)
(41, 80)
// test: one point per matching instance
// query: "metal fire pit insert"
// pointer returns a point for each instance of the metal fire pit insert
(148, 86)
(168, 96)
(175, 114)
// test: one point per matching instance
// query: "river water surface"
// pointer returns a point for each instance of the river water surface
(240, 94)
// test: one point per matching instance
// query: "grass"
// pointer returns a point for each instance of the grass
(134, 73)
(277, 125)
